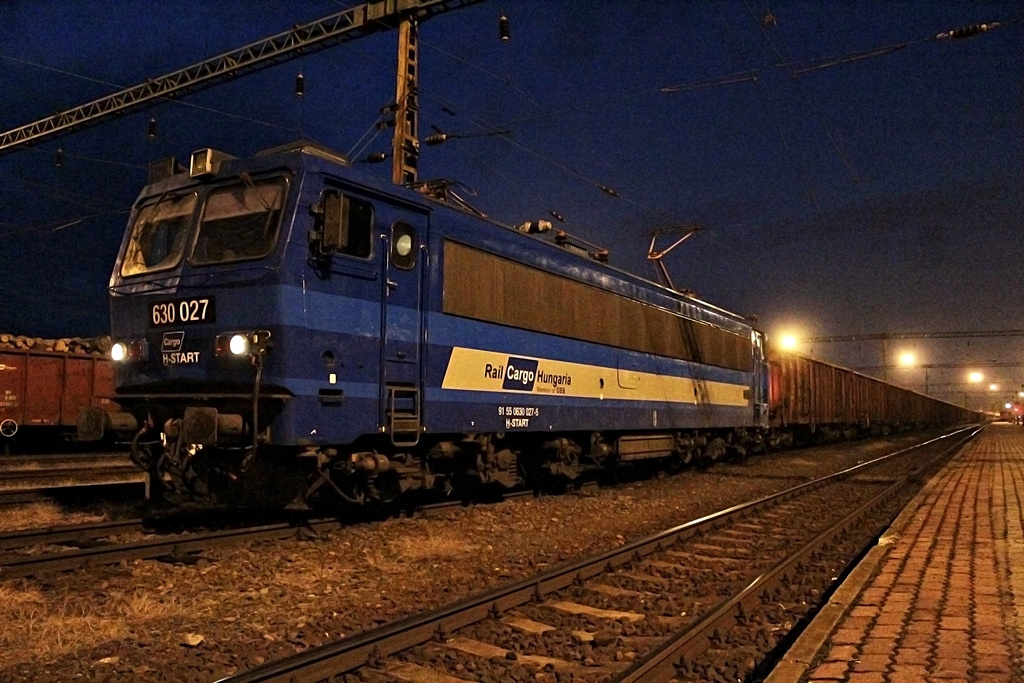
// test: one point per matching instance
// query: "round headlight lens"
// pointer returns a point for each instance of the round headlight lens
(119, 351)
(404, 245)
(238, 344)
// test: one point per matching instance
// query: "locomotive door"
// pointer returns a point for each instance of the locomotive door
(404, 254)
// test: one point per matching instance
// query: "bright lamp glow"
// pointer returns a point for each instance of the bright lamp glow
(787, 342)
(1008, 406)
(907, 358)
(993, 387)
(975, 377)
(238, 344)
(119, 351)
(1021, 394)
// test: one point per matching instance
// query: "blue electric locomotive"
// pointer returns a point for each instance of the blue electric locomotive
(289, 327)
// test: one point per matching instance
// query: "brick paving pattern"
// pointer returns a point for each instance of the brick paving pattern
(947, 602)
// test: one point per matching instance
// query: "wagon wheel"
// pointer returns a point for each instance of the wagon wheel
(8, 428)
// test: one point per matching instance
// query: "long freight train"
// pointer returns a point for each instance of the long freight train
(289, 329)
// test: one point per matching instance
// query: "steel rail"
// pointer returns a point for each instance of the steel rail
(18, 566)
(351, 653)
(660, 664)
(67, 472)
(64, 534)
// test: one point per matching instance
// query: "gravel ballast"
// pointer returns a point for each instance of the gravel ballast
(234, 608)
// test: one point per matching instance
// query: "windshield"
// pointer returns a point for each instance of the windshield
(159, 234)
(239, 222)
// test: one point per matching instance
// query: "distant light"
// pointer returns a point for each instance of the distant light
(1021, 394)
(907, 358)
(787, 342)
(993, 387)
(1008, 406)
(975, 377)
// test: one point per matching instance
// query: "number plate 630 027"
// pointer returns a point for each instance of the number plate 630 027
(182, 312)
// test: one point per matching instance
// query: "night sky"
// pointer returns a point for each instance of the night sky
(876, 194)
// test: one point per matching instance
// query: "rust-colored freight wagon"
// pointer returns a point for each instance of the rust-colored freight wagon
(48, 389)
(808, 396)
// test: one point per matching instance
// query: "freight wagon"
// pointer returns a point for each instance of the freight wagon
(42, 394)
(811, 400)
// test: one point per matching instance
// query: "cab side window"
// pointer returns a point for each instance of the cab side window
(344, 225)
(360, 228)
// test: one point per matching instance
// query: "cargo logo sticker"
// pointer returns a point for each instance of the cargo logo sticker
(172, 341)
(170, 349)
(519, 373)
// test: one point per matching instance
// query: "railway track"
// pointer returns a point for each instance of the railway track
(702, 601)
(23, 474)
(19, 565)
(85, 545)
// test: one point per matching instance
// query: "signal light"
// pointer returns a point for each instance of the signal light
(503, 29)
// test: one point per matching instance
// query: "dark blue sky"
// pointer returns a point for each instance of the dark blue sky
(880, 194)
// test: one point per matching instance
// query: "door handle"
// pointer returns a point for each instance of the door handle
(392, 284)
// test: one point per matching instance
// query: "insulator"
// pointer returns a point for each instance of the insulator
(449, 111)
(300, 85)
(608, 190)
(969, 31)
(503, 30)
(435, 139)
(58, 157)
(151, 129)
(557, 215)
(376, 157)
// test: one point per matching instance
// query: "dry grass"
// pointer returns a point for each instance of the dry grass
(443, 546)
(44, 514)
(35, 626)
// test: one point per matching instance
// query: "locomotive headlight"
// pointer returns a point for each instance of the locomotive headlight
(129, 351)
(242, 343)
(238, 344)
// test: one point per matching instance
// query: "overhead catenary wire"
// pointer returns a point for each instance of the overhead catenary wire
(812, 101)
(805, 180)
(54, 226)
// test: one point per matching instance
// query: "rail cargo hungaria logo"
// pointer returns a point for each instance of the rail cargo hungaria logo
(519, 374)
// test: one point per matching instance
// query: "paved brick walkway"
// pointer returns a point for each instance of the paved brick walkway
(947, 601)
